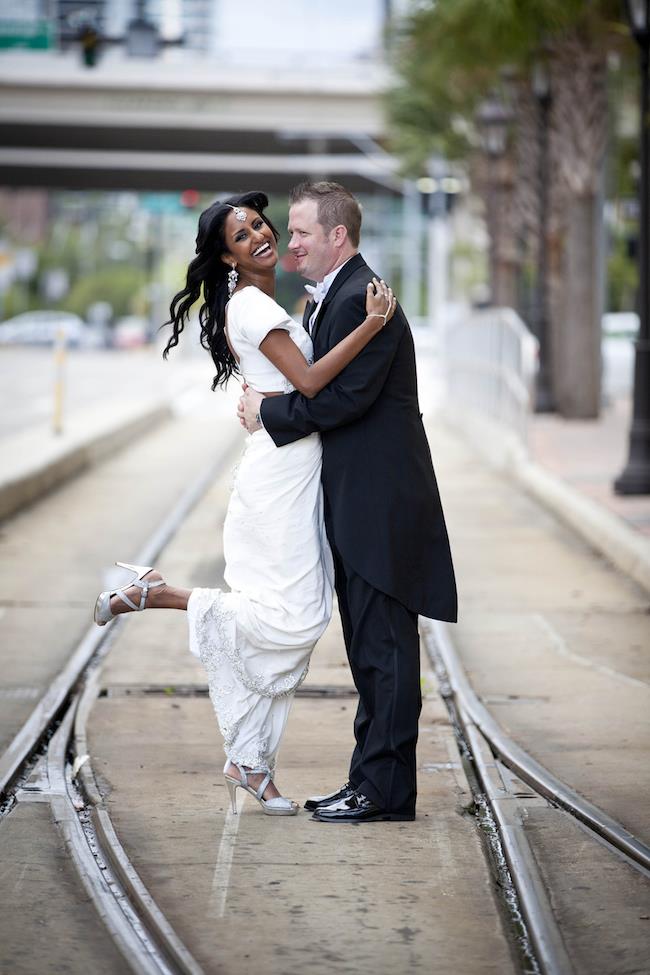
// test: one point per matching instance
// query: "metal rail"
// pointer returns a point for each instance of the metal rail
(524, 765)
(51, 705)
(138, 928)
(494, 755)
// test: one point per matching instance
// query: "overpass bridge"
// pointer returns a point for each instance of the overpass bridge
(174, 123)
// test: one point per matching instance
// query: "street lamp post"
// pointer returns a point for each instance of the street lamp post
(493, 119)
(541, 84)
(635, 478)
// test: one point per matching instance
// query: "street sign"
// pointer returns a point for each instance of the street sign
(34, 34)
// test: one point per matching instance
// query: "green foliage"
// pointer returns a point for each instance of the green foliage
(622, 276)
(450, 53)
(468, 269)
(20, 297)
(122, 285)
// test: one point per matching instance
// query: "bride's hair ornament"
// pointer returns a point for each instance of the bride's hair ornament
(239, 213)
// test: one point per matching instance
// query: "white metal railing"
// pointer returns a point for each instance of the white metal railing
(490, 360)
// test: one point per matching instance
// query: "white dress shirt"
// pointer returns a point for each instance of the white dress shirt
(319, 291)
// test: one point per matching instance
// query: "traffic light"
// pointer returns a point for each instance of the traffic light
(190, 199)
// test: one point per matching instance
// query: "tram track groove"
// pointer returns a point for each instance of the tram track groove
(524, 765)
(550, 950)
(53, 702)
(57, 726)
(108, 841)
(136, 924)
(495, 757)
(101, 888)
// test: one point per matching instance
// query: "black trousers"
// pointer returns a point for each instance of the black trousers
(383, 647)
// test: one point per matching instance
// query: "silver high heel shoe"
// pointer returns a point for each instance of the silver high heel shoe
(270, 807)
(103, 613)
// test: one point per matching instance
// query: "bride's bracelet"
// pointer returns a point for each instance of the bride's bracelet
(377, 314)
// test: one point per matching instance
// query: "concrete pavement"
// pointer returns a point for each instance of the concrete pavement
(252, 893)
(554, 640)
(589, 455)
(57, 554)
(569, 466)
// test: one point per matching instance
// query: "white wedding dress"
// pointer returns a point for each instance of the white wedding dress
(256, 640)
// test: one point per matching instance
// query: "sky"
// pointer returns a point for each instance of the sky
(337, 28)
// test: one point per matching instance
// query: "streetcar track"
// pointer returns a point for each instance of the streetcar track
(326, 691)
(103, 838)
(520, 934)
(524, 765)
(54, 739)
(494, 758)
(56, 698)
(47, 761)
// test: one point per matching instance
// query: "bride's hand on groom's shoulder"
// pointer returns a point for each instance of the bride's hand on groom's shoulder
(380, 301)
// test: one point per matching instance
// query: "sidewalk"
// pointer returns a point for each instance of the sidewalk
(569, 466)
(589, 455)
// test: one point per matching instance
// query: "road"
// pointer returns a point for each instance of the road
(27, 378)
(553, 640)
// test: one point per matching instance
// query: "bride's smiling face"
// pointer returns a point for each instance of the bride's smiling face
(250, 242)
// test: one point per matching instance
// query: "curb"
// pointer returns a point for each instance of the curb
(23, 486)
(621, 545)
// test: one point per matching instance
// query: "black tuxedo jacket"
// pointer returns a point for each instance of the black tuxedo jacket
(385, 516)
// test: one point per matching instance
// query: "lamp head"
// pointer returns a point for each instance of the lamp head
(638, 14)
(493, 119)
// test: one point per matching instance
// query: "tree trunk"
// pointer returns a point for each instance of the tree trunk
(578, 140)
(579, 331)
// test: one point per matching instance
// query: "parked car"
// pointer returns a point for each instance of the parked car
(42, 328)
(619, 332)
(130, 332)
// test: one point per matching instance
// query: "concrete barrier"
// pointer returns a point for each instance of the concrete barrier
(33, 464)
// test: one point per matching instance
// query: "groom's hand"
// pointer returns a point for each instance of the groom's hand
(248, 409)
(240, 406)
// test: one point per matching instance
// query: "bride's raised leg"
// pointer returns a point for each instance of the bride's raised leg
(147, 590)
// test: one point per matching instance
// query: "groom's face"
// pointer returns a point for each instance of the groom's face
(313, 249)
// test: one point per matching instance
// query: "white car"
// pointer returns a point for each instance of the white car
(619, 331)
(130, 332)
(43, 327)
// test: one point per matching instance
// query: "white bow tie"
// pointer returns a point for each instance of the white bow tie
(317, 291)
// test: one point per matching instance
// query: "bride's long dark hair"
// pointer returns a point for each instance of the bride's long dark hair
(208, 272)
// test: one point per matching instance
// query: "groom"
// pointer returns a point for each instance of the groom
(383, 515)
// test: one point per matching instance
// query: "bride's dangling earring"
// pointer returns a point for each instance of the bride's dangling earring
(233, 278)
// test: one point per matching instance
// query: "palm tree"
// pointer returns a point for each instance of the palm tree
(449, 54)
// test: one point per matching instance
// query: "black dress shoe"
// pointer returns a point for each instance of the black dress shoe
(358, 809)
(343, 793)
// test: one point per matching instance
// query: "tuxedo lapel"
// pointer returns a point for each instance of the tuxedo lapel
(349, 268)
(318, 318)
(306, 315)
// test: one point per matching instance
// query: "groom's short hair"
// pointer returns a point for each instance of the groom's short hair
(336, 206)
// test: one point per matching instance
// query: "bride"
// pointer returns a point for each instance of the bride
(255, 640)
